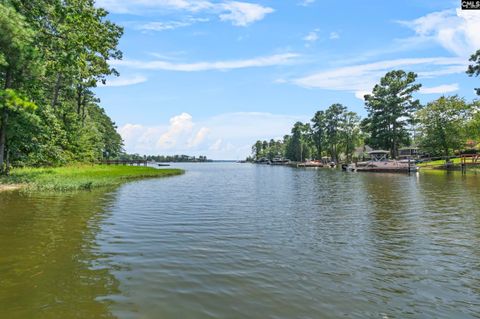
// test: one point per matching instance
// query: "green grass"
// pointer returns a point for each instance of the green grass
(435, 165)
(439, 162)
(81, 177)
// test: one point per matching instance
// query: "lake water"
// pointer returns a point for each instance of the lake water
(244, 241)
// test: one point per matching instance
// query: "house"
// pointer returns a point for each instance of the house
(409, 152)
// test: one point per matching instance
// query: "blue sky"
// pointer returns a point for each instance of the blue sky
(206, 77)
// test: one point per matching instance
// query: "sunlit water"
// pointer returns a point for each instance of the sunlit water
(245, 241)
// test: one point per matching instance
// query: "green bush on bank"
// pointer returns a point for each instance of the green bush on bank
(81, 177)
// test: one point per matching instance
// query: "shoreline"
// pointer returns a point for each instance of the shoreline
(79, 177)
(11, 187)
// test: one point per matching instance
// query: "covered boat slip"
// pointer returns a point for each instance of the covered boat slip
(380, 163)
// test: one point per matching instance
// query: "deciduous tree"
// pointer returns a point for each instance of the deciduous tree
(442, 125)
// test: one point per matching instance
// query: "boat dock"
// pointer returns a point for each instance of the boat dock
(124, 162)
(467, 160)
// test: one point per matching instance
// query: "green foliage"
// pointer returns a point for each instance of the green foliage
(81, 177)
(473, 126)
(334, 122)
(442, 125)
(51, 54)
(474, 69)
(332, 132)
(350, 134)
(12, 101)
(319, 133)
(269, 149)
(390, 110)
(299, 147)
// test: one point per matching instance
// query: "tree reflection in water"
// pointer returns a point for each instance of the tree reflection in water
(50, 264)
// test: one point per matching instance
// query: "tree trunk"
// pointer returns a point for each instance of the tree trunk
(56, 91)
(3, 123)
(394, 142)
(7, 166)
(83, 113)
(79, 98)
(3, 138)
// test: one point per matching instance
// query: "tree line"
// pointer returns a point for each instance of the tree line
(165, 158)
(395, 119)
(52, 54)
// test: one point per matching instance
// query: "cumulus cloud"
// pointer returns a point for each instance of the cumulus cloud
(361, 78)
(243, 13)
(225, 136)
(456, 30)
(180, 126)
(265, 61)
(199, 137)
(236, 12)
(312, 36)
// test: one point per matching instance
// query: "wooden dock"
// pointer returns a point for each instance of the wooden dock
(467, 160)
(124, 162)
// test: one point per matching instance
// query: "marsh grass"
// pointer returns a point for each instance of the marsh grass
(81, 177)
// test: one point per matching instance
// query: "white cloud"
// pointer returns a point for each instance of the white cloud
(361, 94)
(360, 78)
(169, 25)
(140, 6)
(239, 13)
(280, 81)
(180, 126)
(131, 133)
(125, 81)
(441, 89)
(225, 136)
(447, 70)
(216, 146)
(199, 137)
(334, 35)
(306, 3)
(455, 30)
(312, 36)
(243, 13)
(272, 60)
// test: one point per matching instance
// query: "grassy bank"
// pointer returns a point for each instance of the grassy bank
(437, 163)
(81, 177)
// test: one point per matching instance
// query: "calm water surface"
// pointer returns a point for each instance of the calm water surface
(245, 241)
